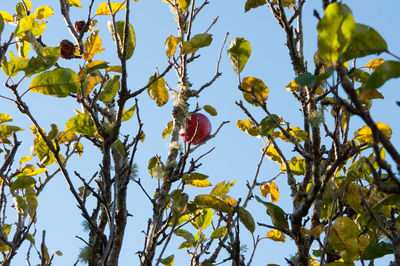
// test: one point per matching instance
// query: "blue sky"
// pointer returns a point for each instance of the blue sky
(236, 155)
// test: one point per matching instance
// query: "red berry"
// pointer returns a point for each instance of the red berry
(203, 131)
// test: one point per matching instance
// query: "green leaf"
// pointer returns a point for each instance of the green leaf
(365, 41)
(168, 261)
(335, 31)
(43, 152)
(170, 45)
(239, 51)
(120, 147)
(154, 167)
(359, 75)
(81, 124)
(16, 64)
(219, 232)
(344, 238)
(158, 91)
(109, 89)
(130, 46)
(23, 182)
(386, 71)
(168, 130)
(186, 235)
(278, 216)
(213, 202)
(253, 4)
(267, 125)
(95, 65)
(44, 61)
(1, 25)
(375, 251)
(196, 42)
(20, 205)
(307, 79)
(247, 219)
(32, 201)
(203, 220)
(211, 110)
(221, 188)
(127, 114)
(194, 176)
(6, 131)
(59, 82)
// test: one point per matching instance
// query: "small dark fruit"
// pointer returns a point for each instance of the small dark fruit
(79, 26)
(67, 49)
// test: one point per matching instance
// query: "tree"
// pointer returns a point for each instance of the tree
(343, 188)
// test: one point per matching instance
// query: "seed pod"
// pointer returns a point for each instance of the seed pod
(67, 49)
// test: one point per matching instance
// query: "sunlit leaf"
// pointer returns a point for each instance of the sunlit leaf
(168, 261)
(386, 71)
(168, 130)
(154, 167)
(209, 201)
(364, 134)
(75, 3)
(59, 82)
(92, 46)
(335, 31)
(1, 25)
(183, 4)
(194, 176)
(221, 188)
(343, 237)
(170, 45)
(44, 61)
(32, 201)
(104, 9)
(130, 46)
(247, 219)
(211, 110)
(7, 18)
(23, 182)
(297, 165)
(374, 64)
(219, 232)
(196, 42)
(365, 41)
(273, 154)
(114, 69)
(239, 51)
(270, 188)
(203, 219)
(198, 183)
(185, 234)
(109, 89)
(253, 4)
(248, 127)
(276, 235)
(43, 12)
(255, 91)
(158, 91)
(25, 159)
(5, 118)
(81, 124)
(6, 131)
(29, 23)
(127, 114)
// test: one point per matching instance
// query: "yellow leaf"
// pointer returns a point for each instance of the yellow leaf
(276, 235)
(364, 134)
(43, 12)
(292, 86)
(272, 189)
(75, 3)
(296, 132)
(103, 8)
(370, 95)
(254, 87)
(170, 45)
(25, 159)
(114, 69)
(158, 91)
(248, 127)
(229, 200)
(313, 262)
(273, 155)
(142, 137)
(92, 81)
(6, 17)
(32, 201)
(198, 183)
(167, 130)
(92, 46)
(374, 64)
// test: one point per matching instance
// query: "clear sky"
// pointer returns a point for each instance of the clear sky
(236, 155)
